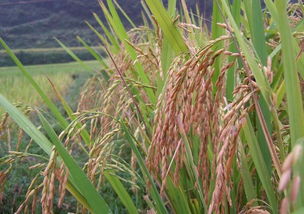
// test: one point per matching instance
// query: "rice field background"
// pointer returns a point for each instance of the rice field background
(40, 56)
(17, 89)
(181, 117)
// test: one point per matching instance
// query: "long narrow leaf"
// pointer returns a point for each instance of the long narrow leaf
(257, 72)
(167, 25)
(293, 90)
(121, 192)
(256, 154)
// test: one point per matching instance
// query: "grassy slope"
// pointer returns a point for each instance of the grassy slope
(48, 49)
(15, 87)
(38, 56)
(64, 67)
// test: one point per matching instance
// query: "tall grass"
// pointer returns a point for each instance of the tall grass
(177, 123)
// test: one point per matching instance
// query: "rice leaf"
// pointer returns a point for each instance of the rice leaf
(259, 43)
(109, 35)
(292, 83)
(125, 14)
(97, 57)
(260, 164)
(217, 31)
(247, 178)
(73, 55)
(167, 26)
(177, 197)
(172, 7)
(121, 192)
(250, 57)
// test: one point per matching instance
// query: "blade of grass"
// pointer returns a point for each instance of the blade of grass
(251, 59)
(191, 167)
(97, 57)
(259, 44)
(73, 55)
(230, 83)
(121, 192)
(26, 125)
(167, 52)
(93, 52)
(257, 157)
(292, 83)
(125, 14)
(147, 12)
(274, 11)
(257, 32)
(246, 177)
(109, 35)
(167, 26)
(103, 40)
(178, 197)
(172, 7)
(217, 31)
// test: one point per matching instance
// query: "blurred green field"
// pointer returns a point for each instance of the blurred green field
(41, 50)
(16, 88)
(44, 56)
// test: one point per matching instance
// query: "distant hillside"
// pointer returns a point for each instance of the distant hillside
(34, 23)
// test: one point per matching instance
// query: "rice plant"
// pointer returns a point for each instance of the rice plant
(179, 119)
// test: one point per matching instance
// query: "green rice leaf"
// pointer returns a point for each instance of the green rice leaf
(251, 59)
(292, 82)
(73, 55)
(121, 192)
(260, 164)
(97, 57)
(109, 35)
(170, 30)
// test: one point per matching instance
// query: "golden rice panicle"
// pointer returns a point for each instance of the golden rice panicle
(192, 95)
(185, 96)
(48, 191)
(62, 175)
(289, 180)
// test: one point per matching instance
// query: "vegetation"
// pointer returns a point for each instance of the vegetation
(14, 86)
(45, 56)
(179, 120)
